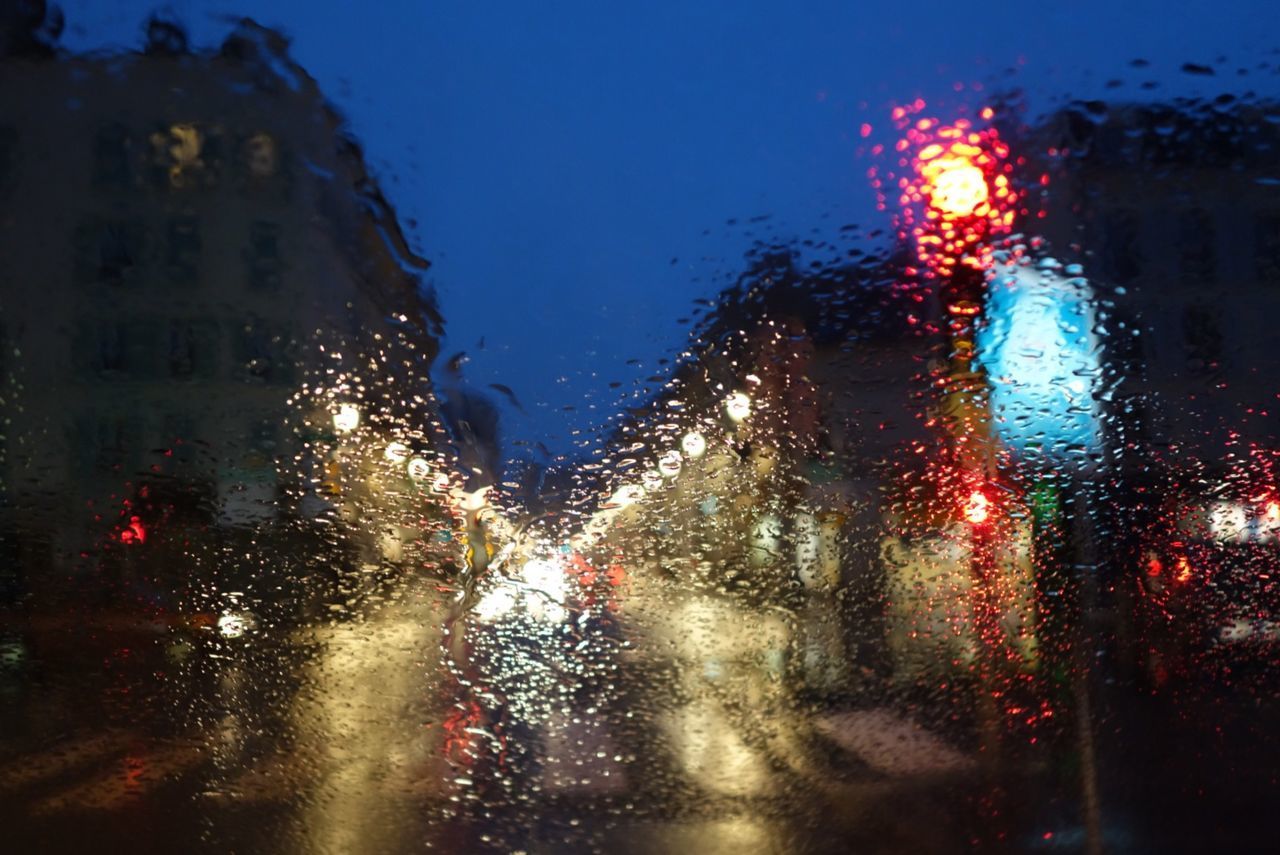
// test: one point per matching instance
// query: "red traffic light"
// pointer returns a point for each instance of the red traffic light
(977, 508)
(954, 183)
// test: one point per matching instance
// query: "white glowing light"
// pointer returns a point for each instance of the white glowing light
(766, 539)
(234, 624)
(418, 469)
(440, 483)
(347, 418)
(473, 501)
(694, 444)
(546, 589)
(396, 452)
(738, 406)
(1269, 522)
(391, 546)
(540, 589)
(670, 464)
(496, 603)
(1229, 521)
(651, 480)
(626, 495)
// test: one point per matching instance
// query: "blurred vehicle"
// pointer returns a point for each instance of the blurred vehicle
(1209, 586)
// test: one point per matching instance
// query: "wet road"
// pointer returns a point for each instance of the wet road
(359, 735)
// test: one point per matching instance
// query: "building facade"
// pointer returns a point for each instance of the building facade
(199, 269)
(1173, 210)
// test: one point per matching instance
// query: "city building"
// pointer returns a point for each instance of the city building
(1172, 209)
(202, 283)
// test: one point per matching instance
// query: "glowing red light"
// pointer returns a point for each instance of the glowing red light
(960, 175)
(1184, 569)
(977, 508)
(956, 186)
(134, 532)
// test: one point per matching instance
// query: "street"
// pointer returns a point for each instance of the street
(354, 734)
(593, 430)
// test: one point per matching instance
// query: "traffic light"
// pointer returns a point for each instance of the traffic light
(977, 508)
(955, 184)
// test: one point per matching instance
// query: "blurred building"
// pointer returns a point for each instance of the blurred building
(193, 244)
(1173, 208)
(763, 463)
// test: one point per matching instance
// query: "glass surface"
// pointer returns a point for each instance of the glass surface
(681, 428)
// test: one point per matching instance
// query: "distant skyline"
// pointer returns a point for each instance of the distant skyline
(570, 168)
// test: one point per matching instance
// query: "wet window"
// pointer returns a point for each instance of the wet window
(262, 257)
(109, 252)
(1266, 230)
(184, 156)
(1197, 239)
(112, 157)
(596, 429)
(8, 156)
(261, 159)
(183, 246)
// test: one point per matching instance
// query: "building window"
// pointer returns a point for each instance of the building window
(182, 254)
(262, 167)
(193, 349)
(262, 257)
(182, 350)
(1202, 337)
(261, 159)
(263, 354)
(179, 438)
(183, 156)
(1196, 247)
(117, 349)
(108, 252)
(109, 351)
(112, 169)
(1266, 242)
(8, 156)
(102, 444)
(1121, 252)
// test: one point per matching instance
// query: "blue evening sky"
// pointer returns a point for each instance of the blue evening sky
(554, 157)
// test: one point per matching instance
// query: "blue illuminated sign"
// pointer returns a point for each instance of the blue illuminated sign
(1042, 354)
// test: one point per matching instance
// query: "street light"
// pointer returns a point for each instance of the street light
(694, 444)
(418, 469)
(347, 418)
(670, 464)
(738, 407)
